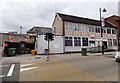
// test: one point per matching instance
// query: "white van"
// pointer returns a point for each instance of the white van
(117, 56)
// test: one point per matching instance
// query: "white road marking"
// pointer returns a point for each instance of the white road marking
(11, 70)
(3, 65)
(1, 76)
(25, 65)
(25, 69)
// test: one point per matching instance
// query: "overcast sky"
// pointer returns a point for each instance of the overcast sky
(30, 13)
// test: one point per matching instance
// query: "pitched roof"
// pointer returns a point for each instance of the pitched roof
(77, 19)
(39, 30)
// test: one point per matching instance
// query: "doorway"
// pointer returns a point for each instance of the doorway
(105, 44)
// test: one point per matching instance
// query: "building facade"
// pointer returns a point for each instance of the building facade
(115, 20)
(81, 32)
(11, 37)
(73, 33)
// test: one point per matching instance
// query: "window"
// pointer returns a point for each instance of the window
(66, 25)
(80, 27)
(108, 31)
(91, 28)
(84, 28)
(109, 42)
(68, 41)
(97, 29)
(104, 30)
(77, 28)
(85, 41)
(113, 31)
(70, 26)
(77, 41)
(114, 42)
(92, 43)
(55, 30)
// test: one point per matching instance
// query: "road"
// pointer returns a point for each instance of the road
(72, 68)
(64, 68)
(10, 72)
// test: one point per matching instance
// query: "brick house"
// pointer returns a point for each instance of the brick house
(11, 37)
(115, 20)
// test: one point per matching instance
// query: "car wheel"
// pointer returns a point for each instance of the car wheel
(116, 60)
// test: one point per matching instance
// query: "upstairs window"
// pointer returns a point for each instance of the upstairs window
(97, 30)
(66, 25)
(91, 28)
(113, 31)
(108, 31)
(84, 28)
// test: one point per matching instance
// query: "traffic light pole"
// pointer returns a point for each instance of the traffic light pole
(48, 37)
(48, 50)
(101, 32)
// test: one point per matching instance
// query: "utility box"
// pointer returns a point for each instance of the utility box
(46, 51)
(84, 51)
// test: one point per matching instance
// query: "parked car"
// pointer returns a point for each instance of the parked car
(117, 56)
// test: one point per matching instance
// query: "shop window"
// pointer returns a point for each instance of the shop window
(77, 41)
(68, 41)
(85, 41)
(109, 42)
(91, 43)
(114, 42)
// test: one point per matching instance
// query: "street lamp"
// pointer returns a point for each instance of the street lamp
(21, 30)
(104, 10)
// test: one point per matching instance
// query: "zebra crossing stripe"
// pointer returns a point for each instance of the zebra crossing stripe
(11, 70)
(1, 76)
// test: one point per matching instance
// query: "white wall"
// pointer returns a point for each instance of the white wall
(56, 46)
(72, 49)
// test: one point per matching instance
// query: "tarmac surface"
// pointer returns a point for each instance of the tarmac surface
(63, 67)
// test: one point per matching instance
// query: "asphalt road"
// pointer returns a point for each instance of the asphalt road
(71, 68)
(10, 72)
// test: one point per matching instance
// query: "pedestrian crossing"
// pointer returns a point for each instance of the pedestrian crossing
(9, 70)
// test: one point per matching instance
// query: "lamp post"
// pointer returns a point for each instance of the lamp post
(104, 10)
(21, 30)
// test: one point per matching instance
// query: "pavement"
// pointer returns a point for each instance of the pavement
(29, 57)
(63, 67)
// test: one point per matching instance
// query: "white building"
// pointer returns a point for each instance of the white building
(73, 33)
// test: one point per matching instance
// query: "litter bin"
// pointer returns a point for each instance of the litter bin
(11, 51)
(84, 51)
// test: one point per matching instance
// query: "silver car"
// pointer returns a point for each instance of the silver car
(117, 56)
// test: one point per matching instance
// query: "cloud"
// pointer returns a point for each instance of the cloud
(29, 13)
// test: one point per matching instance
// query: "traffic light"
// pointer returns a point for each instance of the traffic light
(46, 36)
(51, 36)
